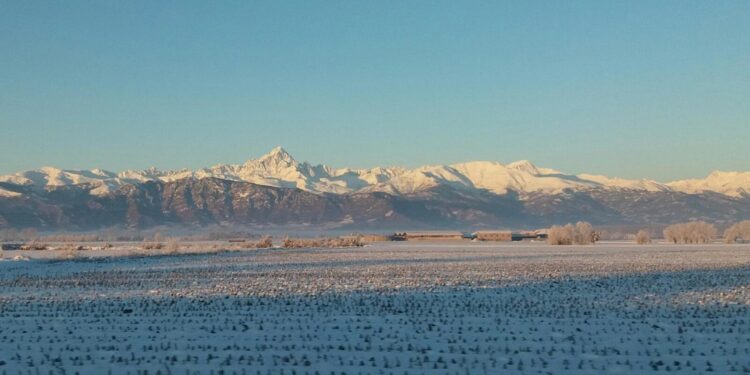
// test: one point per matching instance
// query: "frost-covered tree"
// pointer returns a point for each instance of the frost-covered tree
(643, 237)
(560, 235)
(692, 232)
(582, 233)
(738, 231)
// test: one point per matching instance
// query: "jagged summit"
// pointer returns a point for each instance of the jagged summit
(277, 150)
(278, 168)
(277, 155)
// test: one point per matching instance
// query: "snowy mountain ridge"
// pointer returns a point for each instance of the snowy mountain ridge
(279, 169)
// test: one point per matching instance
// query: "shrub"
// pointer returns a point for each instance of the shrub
(265, 243)
(643, 237)
(355, 241)
(152, 246)
(738, 231)
(34, 246)
(560, 235)
(692, 232)
(288, 243)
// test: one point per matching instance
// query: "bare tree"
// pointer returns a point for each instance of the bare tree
(582, 233)
(738, 231)
(692, 232)
(643, 237)
(560, 235)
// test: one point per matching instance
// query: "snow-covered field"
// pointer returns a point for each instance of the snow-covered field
(400, 308)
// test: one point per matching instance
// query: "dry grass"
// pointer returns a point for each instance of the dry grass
(72, 247)
(297, 243)
(33, 245)
(266, 242)
(70, 252)
(152, 246)
(173, 247)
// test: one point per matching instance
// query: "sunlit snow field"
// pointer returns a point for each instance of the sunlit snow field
(389, 308)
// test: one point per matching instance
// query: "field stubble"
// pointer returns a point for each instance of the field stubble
(402, 308)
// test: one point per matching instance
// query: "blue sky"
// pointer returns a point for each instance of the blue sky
(656, 89)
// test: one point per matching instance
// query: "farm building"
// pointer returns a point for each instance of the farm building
(367, 238)
(429, 235)
(503, 235)
(529, 235)
(493, 235)
(11, 246)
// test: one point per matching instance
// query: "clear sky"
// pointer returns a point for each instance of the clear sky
(656, 89)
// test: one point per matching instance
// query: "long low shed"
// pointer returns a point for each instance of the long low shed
(429, 235)
(491, 235)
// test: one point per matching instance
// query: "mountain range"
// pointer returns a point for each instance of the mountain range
(277, 190)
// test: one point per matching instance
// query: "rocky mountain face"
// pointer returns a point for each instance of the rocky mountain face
(276, 190)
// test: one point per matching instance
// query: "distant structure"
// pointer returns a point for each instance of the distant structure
(493, 235)
(530, 235)
(429, 235)
(367, 238)
(506, 235)
(483, 235)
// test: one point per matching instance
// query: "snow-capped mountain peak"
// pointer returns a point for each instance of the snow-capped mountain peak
(276, 157)
(524, 165)
(733, 184)
(279, 169)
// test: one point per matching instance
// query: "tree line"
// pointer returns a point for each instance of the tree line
(693, 232)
